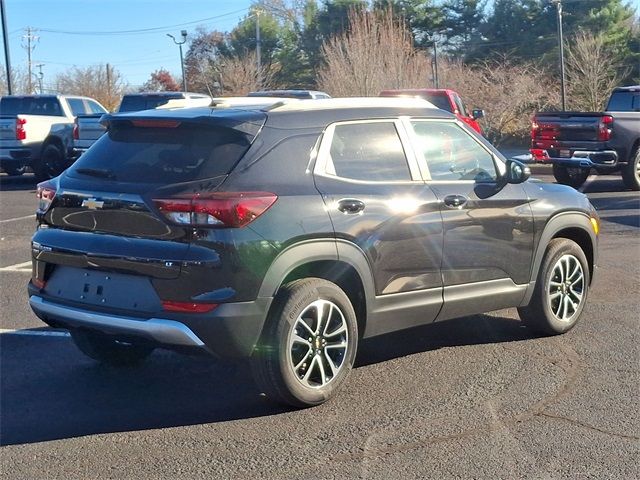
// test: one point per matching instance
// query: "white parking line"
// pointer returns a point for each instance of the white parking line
(18, 267)
(587, 182)
(34, 333)
(17, 218)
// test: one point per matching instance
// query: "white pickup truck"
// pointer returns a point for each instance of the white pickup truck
(37, 132)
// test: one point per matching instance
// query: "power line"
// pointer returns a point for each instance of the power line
(139, 31)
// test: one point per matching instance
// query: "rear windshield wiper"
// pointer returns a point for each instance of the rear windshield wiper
(97, 172)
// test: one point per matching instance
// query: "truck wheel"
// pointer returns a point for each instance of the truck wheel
(50, 164)
(572, 176)
(308, 345)
(631, 171)
(561, 289)
(105, 349)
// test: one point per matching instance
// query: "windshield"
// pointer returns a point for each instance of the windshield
(163, 155)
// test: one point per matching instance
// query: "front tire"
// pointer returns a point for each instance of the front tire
(106, 349)
(561, 289)
(631, 171)
(308, 345)
(572, 176)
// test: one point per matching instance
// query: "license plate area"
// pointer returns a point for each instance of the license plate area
(565, 153)
(93, 287)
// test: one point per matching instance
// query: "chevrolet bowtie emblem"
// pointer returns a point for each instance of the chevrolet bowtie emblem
(92, 203)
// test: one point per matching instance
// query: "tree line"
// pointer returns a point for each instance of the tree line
(502, 56)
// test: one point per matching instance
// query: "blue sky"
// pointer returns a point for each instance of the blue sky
(135, 55)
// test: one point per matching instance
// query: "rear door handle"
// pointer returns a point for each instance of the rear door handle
(455, 201)
(350, 205)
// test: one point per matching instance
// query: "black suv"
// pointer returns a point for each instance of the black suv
(290, 233)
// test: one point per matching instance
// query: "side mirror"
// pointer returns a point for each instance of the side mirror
(516, 172)
(477, 114)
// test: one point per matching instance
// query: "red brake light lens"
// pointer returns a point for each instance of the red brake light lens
(224, 209)
(604, 128)
(187, 307)
(21, 132)
(45, 194)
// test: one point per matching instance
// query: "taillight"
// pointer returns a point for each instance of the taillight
(604, 128)
(76, 130)
(45, 193)
(539, 154)
(187, 307)
(534, 129)
(21, 132)
(224, 209)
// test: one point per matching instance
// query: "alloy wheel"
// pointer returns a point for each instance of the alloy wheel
(566, 288)
(318, 344)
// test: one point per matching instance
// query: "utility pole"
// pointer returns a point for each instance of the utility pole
(563, 91)
(31, 40)
(5, 38)
(435, 63)
(258, 50)
(40, 77)
(109, 96)
(184, 39)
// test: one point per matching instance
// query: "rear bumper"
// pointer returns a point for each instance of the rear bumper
(17, 155)
(232, 330)
(599, 159)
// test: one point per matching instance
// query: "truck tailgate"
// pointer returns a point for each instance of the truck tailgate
(567, 126)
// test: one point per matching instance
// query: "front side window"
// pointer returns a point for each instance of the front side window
(369, 151)
(452, 154)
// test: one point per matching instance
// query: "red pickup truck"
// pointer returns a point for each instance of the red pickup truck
(444, 99)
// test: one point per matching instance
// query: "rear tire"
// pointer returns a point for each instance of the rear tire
(561, 289)
(50, 164)
(308, 345)
(572, 176)
(106, 349)
(631, 171)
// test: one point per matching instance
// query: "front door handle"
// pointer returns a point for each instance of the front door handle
(455, 201)
(350, 205)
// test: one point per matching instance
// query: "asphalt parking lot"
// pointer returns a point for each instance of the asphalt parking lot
(478, 397)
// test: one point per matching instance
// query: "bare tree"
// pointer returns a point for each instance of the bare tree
(102, 82)
(509, 93)
(375, 52)
(592, 71)
(19, 82)
(239, 75)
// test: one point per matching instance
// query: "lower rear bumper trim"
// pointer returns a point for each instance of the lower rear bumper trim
(164, 331)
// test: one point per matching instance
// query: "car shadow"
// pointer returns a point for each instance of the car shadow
(21, 182)
(49, 391)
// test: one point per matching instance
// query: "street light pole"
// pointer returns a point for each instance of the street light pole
(258, 49)
(5, 38)
(184, 39)
(563, 91)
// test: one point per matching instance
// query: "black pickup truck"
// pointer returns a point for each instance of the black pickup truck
(576, 142)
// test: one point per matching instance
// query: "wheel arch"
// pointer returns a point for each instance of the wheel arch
(340, 262)
(53, 140)
(574, 226)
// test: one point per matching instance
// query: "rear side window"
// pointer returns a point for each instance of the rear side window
(136, 103)
(370, 151)
(163, 155)
(624, 102)
(77, 106)
(31, 106)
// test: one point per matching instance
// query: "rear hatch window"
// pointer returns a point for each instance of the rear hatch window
(136, 103)
(177, 154)
(49, 106)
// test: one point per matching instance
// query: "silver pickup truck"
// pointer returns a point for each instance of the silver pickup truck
(37, 132)
(578, 142)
